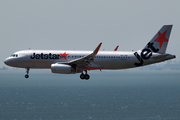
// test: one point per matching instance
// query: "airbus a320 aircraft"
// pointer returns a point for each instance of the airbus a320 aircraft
(71, 62)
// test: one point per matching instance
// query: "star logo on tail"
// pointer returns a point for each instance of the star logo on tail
(63, 55)
(162, 38)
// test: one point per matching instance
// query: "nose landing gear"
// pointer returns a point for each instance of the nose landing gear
(84, 76)
(27, 71)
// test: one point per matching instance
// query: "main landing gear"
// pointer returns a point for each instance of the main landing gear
(27, 71)
(84, 76)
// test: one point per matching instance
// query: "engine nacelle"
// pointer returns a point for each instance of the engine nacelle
(62, 69)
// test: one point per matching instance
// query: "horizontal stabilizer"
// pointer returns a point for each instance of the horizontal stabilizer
(160, 56)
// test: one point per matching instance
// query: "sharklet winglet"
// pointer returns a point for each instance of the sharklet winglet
(97, 49)
(116, 48)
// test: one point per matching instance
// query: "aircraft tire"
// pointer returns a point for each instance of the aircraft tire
(26, 76)
(87, 77)
(82, 76)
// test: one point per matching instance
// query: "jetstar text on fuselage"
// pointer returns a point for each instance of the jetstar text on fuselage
(145, 54)
(45, 56)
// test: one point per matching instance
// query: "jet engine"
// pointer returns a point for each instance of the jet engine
(62, 69)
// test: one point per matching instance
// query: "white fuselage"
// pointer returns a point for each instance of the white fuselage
(106, 59)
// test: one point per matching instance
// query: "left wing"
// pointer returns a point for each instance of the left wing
(84, 61)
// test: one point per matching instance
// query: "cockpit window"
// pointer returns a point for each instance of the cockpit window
(14, 55)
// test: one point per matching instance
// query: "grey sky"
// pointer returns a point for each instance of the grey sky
(82, 24)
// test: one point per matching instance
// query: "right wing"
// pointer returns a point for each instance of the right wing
(116, 48)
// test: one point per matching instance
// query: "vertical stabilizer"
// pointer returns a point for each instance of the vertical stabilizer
(160, 41)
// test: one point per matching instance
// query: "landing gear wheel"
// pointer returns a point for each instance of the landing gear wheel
(27, 71)
(87, 77)
(26, 76)
(82, 76)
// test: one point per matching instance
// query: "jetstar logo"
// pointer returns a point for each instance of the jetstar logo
(48, 56)
(63, 55)
(147, 52)
(161, 38)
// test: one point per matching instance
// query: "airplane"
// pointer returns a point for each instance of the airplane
(72, 62)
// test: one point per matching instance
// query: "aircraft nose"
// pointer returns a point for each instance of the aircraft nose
(7, 61)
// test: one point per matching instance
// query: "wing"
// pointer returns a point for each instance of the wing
(86, 60)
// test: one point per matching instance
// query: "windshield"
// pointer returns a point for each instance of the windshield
(14, 55)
